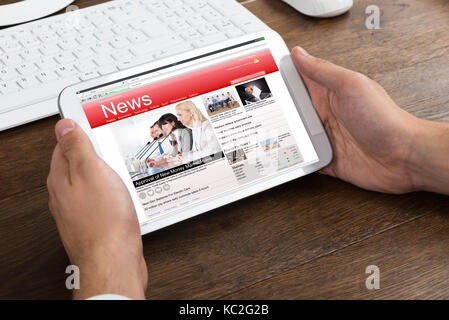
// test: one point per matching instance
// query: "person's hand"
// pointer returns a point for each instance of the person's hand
(249, 89)
(376, 145)
(176, 160)
(151, 162)
(95, 217)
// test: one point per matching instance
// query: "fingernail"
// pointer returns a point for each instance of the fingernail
(302, 51)
(63, 127)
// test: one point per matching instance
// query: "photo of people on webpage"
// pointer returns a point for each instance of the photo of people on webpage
(177, 134)
(220, 101)
(254, 91)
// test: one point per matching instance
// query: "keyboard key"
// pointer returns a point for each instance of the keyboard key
(103, 59)
(119, 42)
(83, 52)
(45, 63)
(122, 29)
(107, 69)
(125, 64)
(210, 39)
(169, 51)
(247, 24)
(101, 21)
(156, 6)
(103, 34)
(50, 37)
(207, 29)
(122, 54)
(179, 25)
(101, 47)
(85, 65)
(137, 36)
(191, 34)
(154, 31)
(162, 42)
(173, 3)
(15, 100)
(127, 15)
(64, 58)
(46, 76)
(8, 73)
(131, 5)
(65, 72)
(234, 32)
(49, 49)
(223, 24)
(88, 75)
(139, 23)
(184, 11)
(30, 42)
(10, 46)
(26, 68)
(196, 20)
(200, 5)
(68, 44)
(86, 38)
(85, 26)
(141, 49)
(11, 59)
(168, 15)
(8, 87)
(227, 8)
(42, 29)
(23, 33)
(67, 32)
(211, 15)
(28, 82)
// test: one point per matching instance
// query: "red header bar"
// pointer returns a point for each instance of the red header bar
(174, 90)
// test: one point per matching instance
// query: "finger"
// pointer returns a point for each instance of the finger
(319, 70)
(76, 148)
(59, 175)
(328, 171)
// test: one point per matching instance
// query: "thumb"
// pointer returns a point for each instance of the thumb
(75, 145)
(321, 71)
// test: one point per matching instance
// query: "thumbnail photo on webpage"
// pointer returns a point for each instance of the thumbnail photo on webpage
(174, 136)
(254, 91)
(220, 101)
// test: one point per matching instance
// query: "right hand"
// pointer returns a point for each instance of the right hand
(372, 138)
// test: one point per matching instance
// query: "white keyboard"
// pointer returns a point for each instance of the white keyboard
(39, 59)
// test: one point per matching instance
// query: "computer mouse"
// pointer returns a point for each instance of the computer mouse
(321, 8)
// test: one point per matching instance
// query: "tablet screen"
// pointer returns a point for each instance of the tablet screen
(189, 131)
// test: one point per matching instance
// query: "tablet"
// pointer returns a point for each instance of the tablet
(204, 128)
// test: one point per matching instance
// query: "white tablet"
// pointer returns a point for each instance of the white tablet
(204, 128)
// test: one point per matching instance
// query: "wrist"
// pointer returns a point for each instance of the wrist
(112, 271)
(428, 163)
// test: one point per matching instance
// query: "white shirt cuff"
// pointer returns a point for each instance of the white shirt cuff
(108, 297)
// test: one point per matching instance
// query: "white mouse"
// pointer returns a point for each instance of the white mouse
(321, 8)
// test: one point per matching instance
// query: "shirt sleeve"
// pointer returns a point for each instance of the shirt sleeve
(211, 146)
(108, 297)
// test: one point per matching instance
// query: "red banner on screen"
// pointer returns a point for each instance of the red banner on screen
(166, 92)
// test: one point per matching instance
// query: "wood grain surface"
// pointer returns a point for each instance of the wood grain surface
(311, 238)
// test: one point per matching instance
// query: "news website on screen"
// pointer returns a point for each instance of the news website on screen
(190, 131)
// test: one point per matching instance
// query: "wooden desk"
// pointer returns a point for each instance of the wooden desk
(310, 238)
